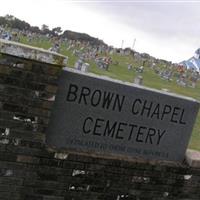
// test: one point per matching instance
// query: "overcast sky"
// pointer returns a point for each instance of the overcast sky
(165, 29)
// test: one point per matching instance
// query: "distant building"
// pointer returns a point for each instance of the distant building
(194, 62)
(197, 53)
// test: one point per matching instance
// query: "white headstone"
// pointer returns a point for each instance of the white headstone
(78, 64)
(138, 80)
(85, 67)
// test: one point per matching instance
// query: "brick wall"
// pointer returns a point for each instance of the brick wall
(30, 170)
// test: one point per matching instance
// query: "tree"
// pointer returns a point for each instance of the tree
(45, 29)
(3, 21)
(10, 18)
(35, 29)
(57, 31)
(13, 22)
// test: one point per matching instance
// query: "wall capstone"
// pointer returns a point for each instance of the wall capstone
(32, 53)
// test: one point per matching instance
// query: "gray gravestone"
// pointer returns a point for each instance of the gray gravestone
(138, 80)
(78, 64)
(101, 116)
(85, 67)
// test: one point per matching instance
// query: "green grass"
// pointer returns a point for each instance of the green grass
(121, 72)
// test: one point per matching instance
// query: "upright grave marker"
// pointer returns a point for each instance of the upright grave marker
(95, 115)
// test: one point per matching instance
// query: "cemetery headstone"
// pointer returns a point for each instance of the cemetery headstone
(85, 67)
(78, 64)
(138, 80)
(139, 69)
(166, 75)
(130, 67)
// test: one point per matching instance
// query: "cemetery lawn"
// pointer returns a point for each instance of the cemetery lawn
(121, 72)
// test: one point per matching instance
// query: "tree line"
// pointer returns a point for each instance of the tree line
(12, 22)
